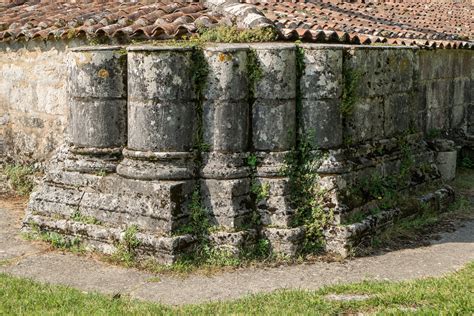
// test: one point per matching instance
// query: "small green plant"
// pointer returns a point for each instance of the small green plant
(261, 191)
(126, 249)
(60, 242)
(254, 74)
(433, 133)
(199, 73)
(467, 163)
(349, 92)
(101, 173)
(20, 178)
(232, 34)
(252, 161)
(78, 217)
(306, 195)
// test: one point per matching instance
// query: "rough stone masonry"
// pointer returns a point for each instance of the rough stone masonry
(153, 127)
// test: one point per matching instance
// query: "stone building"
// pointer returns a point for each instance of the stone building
(140, 130)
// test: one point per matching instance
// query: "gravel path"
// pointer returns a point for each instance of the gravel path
(34, 260)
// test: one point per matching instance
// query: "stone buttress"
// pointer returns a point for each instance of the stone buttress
(152, 127)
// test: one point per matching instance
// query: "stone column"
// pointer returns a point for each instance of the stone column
(97, 114)
(273, 136)
(225, 185)
(274, 127)
(161, 114)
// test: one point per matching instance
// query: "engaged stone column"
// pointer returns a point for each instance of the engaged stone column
(274, 128)
(225, 187)
(97, 114)
(161, 114)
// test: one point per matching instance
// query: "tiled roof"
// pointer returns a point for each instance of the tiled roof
(66, 19)
(437, 23)
(441, 23)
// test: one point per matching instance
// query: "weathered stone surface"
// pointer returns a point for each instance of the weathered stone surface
(382, 71)
(161, 125)
(157, 165)
(285, 241)
(321, 122)
(344, 240)
(446, 162)
(97, 72)
(399, 114)
(322, 76)
(277, 63)
(227, 201)
(234, 243)
(224, 165)
(227, 66)
(275, 209)
(366, 121)
(97, 93)
(159, 73)
(225, 125)
(271, 164)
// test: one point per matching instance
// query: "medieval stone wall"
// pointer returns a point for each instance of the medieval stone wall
(254, 135)
(33, 99)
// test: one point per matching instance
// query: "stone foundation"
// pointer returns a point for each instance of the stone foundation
(151, 127)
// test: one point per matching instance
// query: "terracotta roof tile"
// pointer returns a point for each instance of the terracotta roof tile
(434, 23)
(431, 21)
(66, 19)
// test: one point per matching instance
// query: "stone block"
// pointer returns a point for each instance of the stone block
(98, 122)
(382, 71)
(155, 207)
(322, 76)
(160, 73)
(275, 209)
(366, 120)
(228, 202)
(321, 122)
(226, 125)
(157, 165)
(446, 163)
(156, 125)
(285, 241)
(217, 165)
(277, 63)
(399, 116)
(271, 164)
(97, 72)
(273, 124)
(458, 117)
(233, 243)
(227, 78)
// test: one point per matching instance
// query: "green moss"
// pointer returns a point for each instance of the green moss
(231, 34)
(351, 81)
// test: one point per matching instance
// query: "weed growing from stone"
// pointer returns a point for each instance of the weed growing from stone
(20, 178)
(307, 197)
(78, 217)
(349, 98)
(467, 163)
(126, 248)
(232, 34)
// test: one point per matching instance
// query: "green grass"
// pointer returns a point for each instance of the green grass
(20, 178)
(451, 295)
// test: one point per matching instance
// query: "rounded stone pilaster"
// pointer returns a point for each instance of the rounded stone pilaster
(225, 188)
(274, 109)
(161, 116)
(97, 91)
(226, 112)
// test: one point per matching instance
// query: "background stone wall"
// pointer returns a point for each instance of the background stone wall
(400, 88)
(33, 100)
